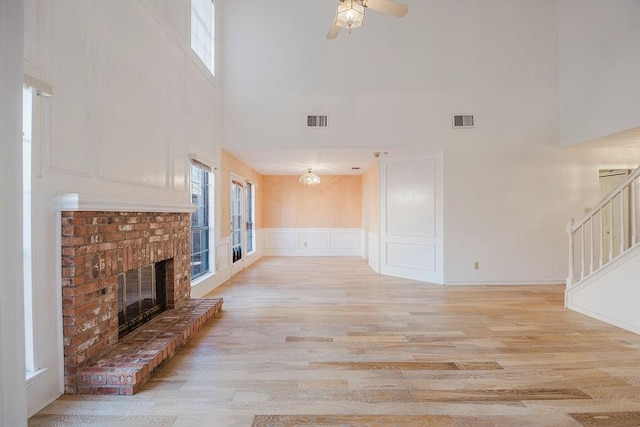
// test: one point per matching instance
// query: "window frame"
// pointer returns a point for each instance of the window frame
(209, 228)
(28, 117)
(195, 18)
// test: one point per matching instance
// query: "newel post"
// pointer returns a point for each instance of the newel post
(570, 278)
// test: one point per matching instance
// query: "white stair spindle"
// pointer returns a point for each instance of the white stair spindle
(602, 237)
(582, 252)
(622, 218)
(610, 204)
(634, 221)
(591, 247)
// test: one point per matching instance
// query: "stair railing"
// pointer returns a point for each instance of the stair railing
(606, 232)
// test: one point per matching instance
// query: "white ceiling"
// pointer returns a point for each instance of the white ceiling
(625, 139)
(295, 161)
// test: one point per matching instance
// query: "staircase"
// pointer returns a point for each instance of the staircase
(604, 258)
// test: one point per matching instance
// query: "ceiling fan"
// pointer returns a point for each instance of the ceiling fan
(350, 13)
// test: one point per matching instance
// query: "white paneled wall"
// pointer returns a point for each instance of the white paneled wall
(314, 242)
(130, 103)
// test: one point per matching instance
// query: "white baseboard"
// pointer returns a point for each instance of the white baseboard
(507, 283)
(604, 318)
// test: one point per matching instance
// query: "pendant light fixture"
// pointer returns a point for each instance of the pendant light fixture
(309, 178)
(350, 14)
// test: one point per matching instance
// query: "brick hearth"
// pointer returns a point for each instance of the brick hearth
(96, 247)
(127, 365)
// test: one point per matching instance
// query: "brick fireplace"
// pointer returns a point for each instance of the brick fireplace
(96, 247)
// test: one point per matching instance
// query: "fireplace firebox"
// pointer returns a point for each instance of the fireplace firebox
(142, 295)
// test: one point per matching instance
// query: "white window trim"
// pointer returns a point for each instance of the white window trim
(205, 164)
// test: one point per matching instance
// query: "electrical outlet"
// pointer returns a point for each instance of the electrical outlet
(476, 265)
(305, 244)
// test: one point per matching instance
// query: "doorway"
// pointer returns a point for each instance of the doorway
(615, 223)
(237, 222)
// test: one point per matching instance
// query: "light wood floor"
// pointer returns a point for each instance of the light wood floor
(325, 341)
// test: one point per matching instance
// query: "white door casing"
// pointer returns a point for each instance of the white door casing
(411, 217)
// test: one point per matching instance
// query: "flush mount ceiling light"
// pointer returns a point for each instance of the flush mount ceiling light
(309, 178)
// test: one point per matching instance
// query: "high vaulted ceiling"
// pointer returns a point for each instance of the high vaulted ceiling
(394, 83)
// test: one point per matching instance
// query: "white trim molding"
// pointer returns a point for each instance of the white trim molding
(90, 202)
(313, 241)
(558, 282)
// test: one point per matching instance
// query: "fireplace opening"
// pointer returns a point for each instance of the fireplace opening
(142, 294)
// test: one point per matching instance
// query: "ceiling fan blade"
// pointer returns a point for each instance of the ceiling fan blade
(388, 6)
(333, 32)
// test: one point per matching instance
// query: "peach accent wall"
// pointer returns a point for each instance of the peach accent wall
(335, 203)
(370, 177)
(231, 164)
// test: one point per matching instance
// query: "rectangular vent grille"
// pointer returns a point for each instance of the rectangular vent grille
(464, 121)
(317, 121)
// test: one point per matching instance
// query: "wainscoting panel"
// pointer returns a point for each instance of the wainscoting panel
(347, 240)
(222, 254)
(407, 255)
(280, 240)
(313, 242)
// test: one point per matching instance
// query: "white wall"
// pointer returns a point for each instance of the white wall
(507, 208)
(599, 67)
(131, 102)
(13, 402)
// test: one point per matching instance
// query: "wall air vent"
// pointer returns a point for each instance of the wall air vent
(464, 121)
(317, 121)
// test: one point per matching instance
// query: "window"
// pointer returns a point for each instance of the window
(27, 127)
(202, 31)
(251, 218)
(201, 197)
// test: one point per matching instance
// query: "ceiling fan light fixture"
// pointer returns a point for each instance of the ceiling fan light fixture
(350, 14)
(309, 178)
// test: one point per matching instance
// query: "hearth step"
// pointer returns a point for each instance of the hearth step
(127, 365)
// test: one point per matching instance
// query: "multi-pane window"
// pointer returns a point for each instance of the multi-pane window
(202, 31)
(236, 221)
(251, 226)
(200, 221)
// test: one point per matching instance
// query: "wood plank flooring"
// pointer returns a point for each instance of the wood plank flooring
(325, 341)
